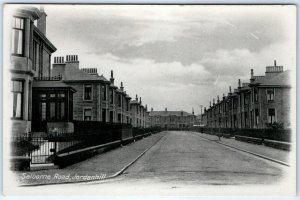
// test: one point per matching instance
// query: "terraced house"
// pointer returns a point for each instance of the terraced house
(138, 113)
(262, 102)
(96, 99)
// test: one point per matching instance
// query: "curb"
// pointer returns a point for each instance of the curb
(118, 173)
(246, 151)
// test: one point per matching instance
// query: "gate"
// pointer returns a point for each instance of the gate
(45, 149)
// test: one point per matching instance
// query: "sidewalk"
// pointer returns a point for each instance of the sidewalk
(96, 168)
(270, 152)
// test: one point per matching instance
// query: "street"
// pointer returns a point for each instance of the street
(177, 163)
(185, 157)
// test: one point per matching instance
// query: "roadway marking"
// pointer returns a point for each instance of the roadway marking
(246, 151)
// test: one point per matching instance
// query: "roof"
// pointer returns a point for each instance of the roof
(134, 102)
(51, 47)
(169, 113)
(73, 74)
(282, 79)
(51, 84)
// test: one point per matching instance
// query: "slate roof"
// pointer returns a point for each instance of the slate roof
(169, 113)
(73, 74)
(282, 79)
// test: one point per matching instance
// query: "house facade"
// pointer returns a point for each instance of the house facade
(30, 58)
(262, 102)
(96, 99)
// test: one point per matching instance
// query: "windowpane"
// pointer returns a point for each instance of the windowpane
(52, 111)
(18, 22)
(87, 92)
(270, 94)
(271, 115)
(62, 110)
(43, 109)
(16, 95)
(87, 114)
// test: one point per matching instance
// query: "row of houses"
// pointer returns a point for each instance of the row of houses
(260, 103)
(43, 98)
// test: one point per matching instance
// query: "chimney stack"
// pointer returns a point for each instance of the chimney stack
(274, 63)
(140, 100)
(252, 76)
(151, 109)
(112, 80)
(146, 107)
(41, 22)
(72, 61)
(193, 111)
(223, 96)
(230, 89)
(122, 88)
(239, 83)
(136, 97)
(213, 101)
(210, 104)
(166, 109)
(218, 99)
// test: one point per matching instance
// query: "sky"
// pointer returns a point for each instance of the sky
(175, 57)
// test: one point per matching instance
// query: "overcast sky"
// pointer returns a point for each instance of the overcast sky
(177, 57)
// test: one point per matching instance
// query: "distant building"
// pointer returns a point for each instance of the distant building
(171, 119)
(263, 101)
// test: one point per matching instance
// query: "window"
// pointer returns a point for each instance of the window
(103, 92)
(17, 99)
(87, 114)
(271, 115)
(119, 100)
(111, 96)
(61, 110)
(119, 118)
(270, 94)
(256, 116)
(17, 46)
(43, 111)
(103, 115)
(255, 94)
(111, 116)
(36, 56)
(87, 92)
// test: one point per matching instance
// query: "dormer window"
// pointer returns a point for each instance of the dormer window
(17, 46)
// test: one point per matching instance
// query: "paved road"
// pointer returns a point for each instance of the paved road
(184, 157)
(181, 163)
